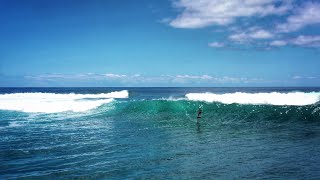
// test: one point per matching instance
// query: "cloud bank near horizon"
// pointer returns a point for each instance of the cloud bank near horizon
(113, 79)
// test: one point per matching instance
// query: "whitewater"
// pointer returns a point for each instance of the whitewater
(154, 133)
(53, 103)
(272, 98)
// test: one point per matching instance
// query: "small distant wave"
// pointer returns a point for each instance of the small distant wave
(171, 99)
(53, 103)
(273, 98)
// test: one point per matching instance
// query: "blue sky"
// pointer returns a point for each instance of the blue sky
(160, 43)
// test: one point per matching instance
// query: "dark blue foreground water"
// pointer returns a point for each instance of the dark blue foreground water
(155, 134)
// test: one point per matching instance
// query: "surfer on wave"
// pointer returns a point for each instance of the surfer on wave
(199, 112)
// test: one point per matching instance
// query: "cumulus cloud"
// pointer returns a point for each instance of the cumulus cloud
(137, 79)
(216, 44)
(278, 43)
(302, 41)
(239, 37)
(194, 77)
(203, 13)
(110, 75)
(80, 76)
(313, 41)
(57, 76)
(261, 34)
(307, 15)
(185, 79)
(251, 34)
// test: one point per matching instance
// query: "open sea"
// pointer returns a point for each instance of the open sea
(154, 133)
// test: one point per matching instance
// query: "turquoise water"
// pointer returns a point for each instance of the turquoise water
(154, 133)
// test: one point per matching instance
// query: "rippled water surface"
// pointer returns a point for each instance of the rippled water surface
(154, 133)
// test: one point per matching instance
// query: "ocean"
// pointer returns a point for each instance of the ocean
(154, 133)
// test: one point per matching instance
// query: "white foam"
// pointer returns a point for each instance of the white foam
(52, 103)
(273, 98)
(14, 124)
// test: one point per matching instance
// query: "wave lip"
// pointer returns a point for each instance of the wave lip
(53, 103)
(273, 98)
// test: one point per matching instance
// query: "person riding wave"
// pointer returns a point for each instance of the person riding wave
(199, 111)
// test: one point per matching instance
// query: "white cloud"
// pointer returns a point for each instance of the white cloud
(307, 15)
(302, 41)
(110, 75)
(80, 76)
(303, 77)
(313, 41)
(296, 77)
(216, 45)
(251, 34)
(239, 37)
(140, 79)
(136, 75)
(184, 79)
(203, 13)
(278, 43)
(261, 34)
(160, 80)
(204, 77)
(57, 76)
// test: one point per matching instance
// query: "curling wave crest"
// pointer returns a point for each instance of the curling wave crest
(53, 103)
(273, 98)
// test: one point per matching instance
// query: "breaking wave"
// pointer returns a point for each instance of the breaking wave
(53, 103)
(274, 98)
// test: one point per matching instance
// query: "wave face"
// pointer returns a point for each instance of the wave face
(158, 127)
(178, 111)
(273, 98)
(53, 103)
